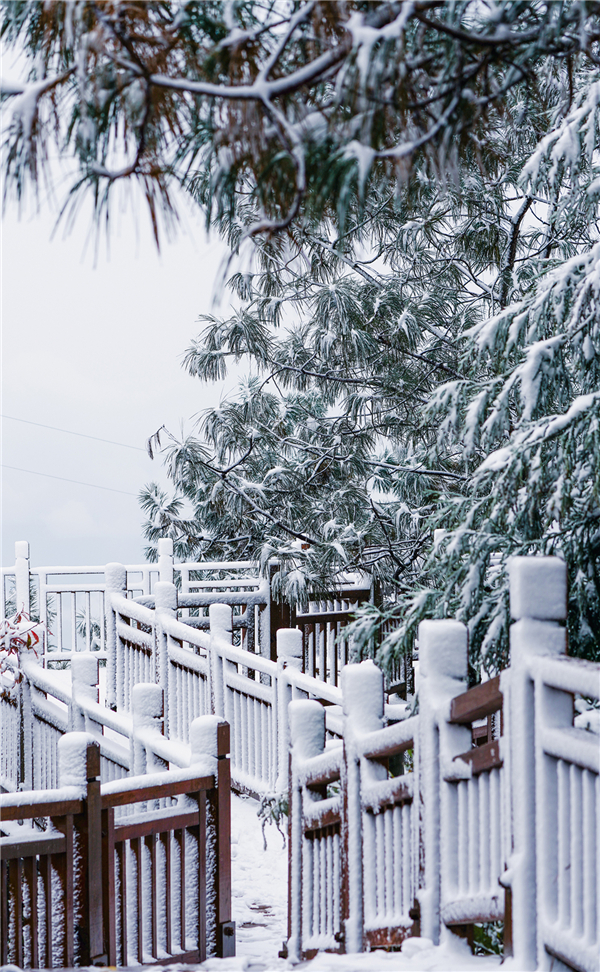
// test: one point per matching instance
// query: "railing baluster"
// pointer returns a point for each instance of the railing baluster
(576, 850)
(151, 855)
(165, 840)
(31, 877)
(180, 837)
(46, 870)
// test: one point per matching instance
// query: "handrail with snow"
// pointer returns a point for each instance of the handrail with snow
(95, 908)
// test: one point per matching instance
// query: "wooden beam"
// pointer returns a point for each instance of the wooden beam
(32, 848)
(158, 792)
(144, 828)
(51, 808)
(477, 703)
(400, 792)
(331, 818)
(483, 758)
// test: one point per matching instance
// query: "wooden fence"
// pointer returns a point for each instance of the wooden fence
(482, 807)
(206, 657)
(96, 888)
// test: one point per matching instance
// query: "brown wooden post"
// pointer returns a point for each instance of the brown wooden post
(4, 908)
(30, 868)
(93, 865)
(108, 886)
(225, 926)
(87, 877)
(201, 876)
(508, 935)
(64, 869)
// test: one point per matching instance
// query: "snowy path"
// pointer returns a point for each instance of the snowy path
(259, 882)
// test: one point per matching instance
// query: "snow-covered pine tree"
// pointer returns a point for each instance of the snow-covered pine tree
(334, 420)
(359, 392)
(527, 416)
(269, 112)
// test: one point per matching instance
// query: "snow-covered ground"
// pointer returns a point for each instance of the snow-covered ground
(259, 883)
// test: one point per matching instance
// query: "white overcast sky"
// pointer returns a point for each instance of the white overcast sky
(93, 349)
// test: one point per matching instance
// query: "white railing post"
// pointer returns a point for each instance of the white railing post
(538, 601)
(307, 737)
(22, 595)
(289, 655)
(115, 577)
(443, 661)
(221, 628)
(165, 603)
(23, 604)
(84, 686)
(363, 701)
(165, 560)
(147, 704)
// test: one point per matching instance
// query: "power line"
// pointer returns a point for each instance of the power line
(35, 472)
(82, 435)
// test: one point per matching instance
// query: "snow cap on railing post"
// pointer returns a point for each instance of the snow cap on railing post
(443, 649)
(115, 577)
(72, 758)
(207, 740)
(115, 581)
(147, 704)
(22, 576)
(362, 691)
(538, 588)
(221, 621)
(165, 595)
(307, 727)
(165, 559)
(84, 685)
(289, 648)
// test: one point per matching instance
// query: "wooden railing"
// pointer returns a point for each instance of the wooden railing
(483, 807)
(93, 889)
(352, 824)
(142, 627)
(325, 650)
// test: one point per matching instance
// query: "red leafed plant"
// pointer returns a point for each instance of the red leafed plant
(16, 633)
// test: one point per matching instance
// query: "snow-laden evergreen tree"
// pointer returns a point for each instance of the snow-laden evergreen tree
(271, 112)
(409, 188)
(527, 415)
